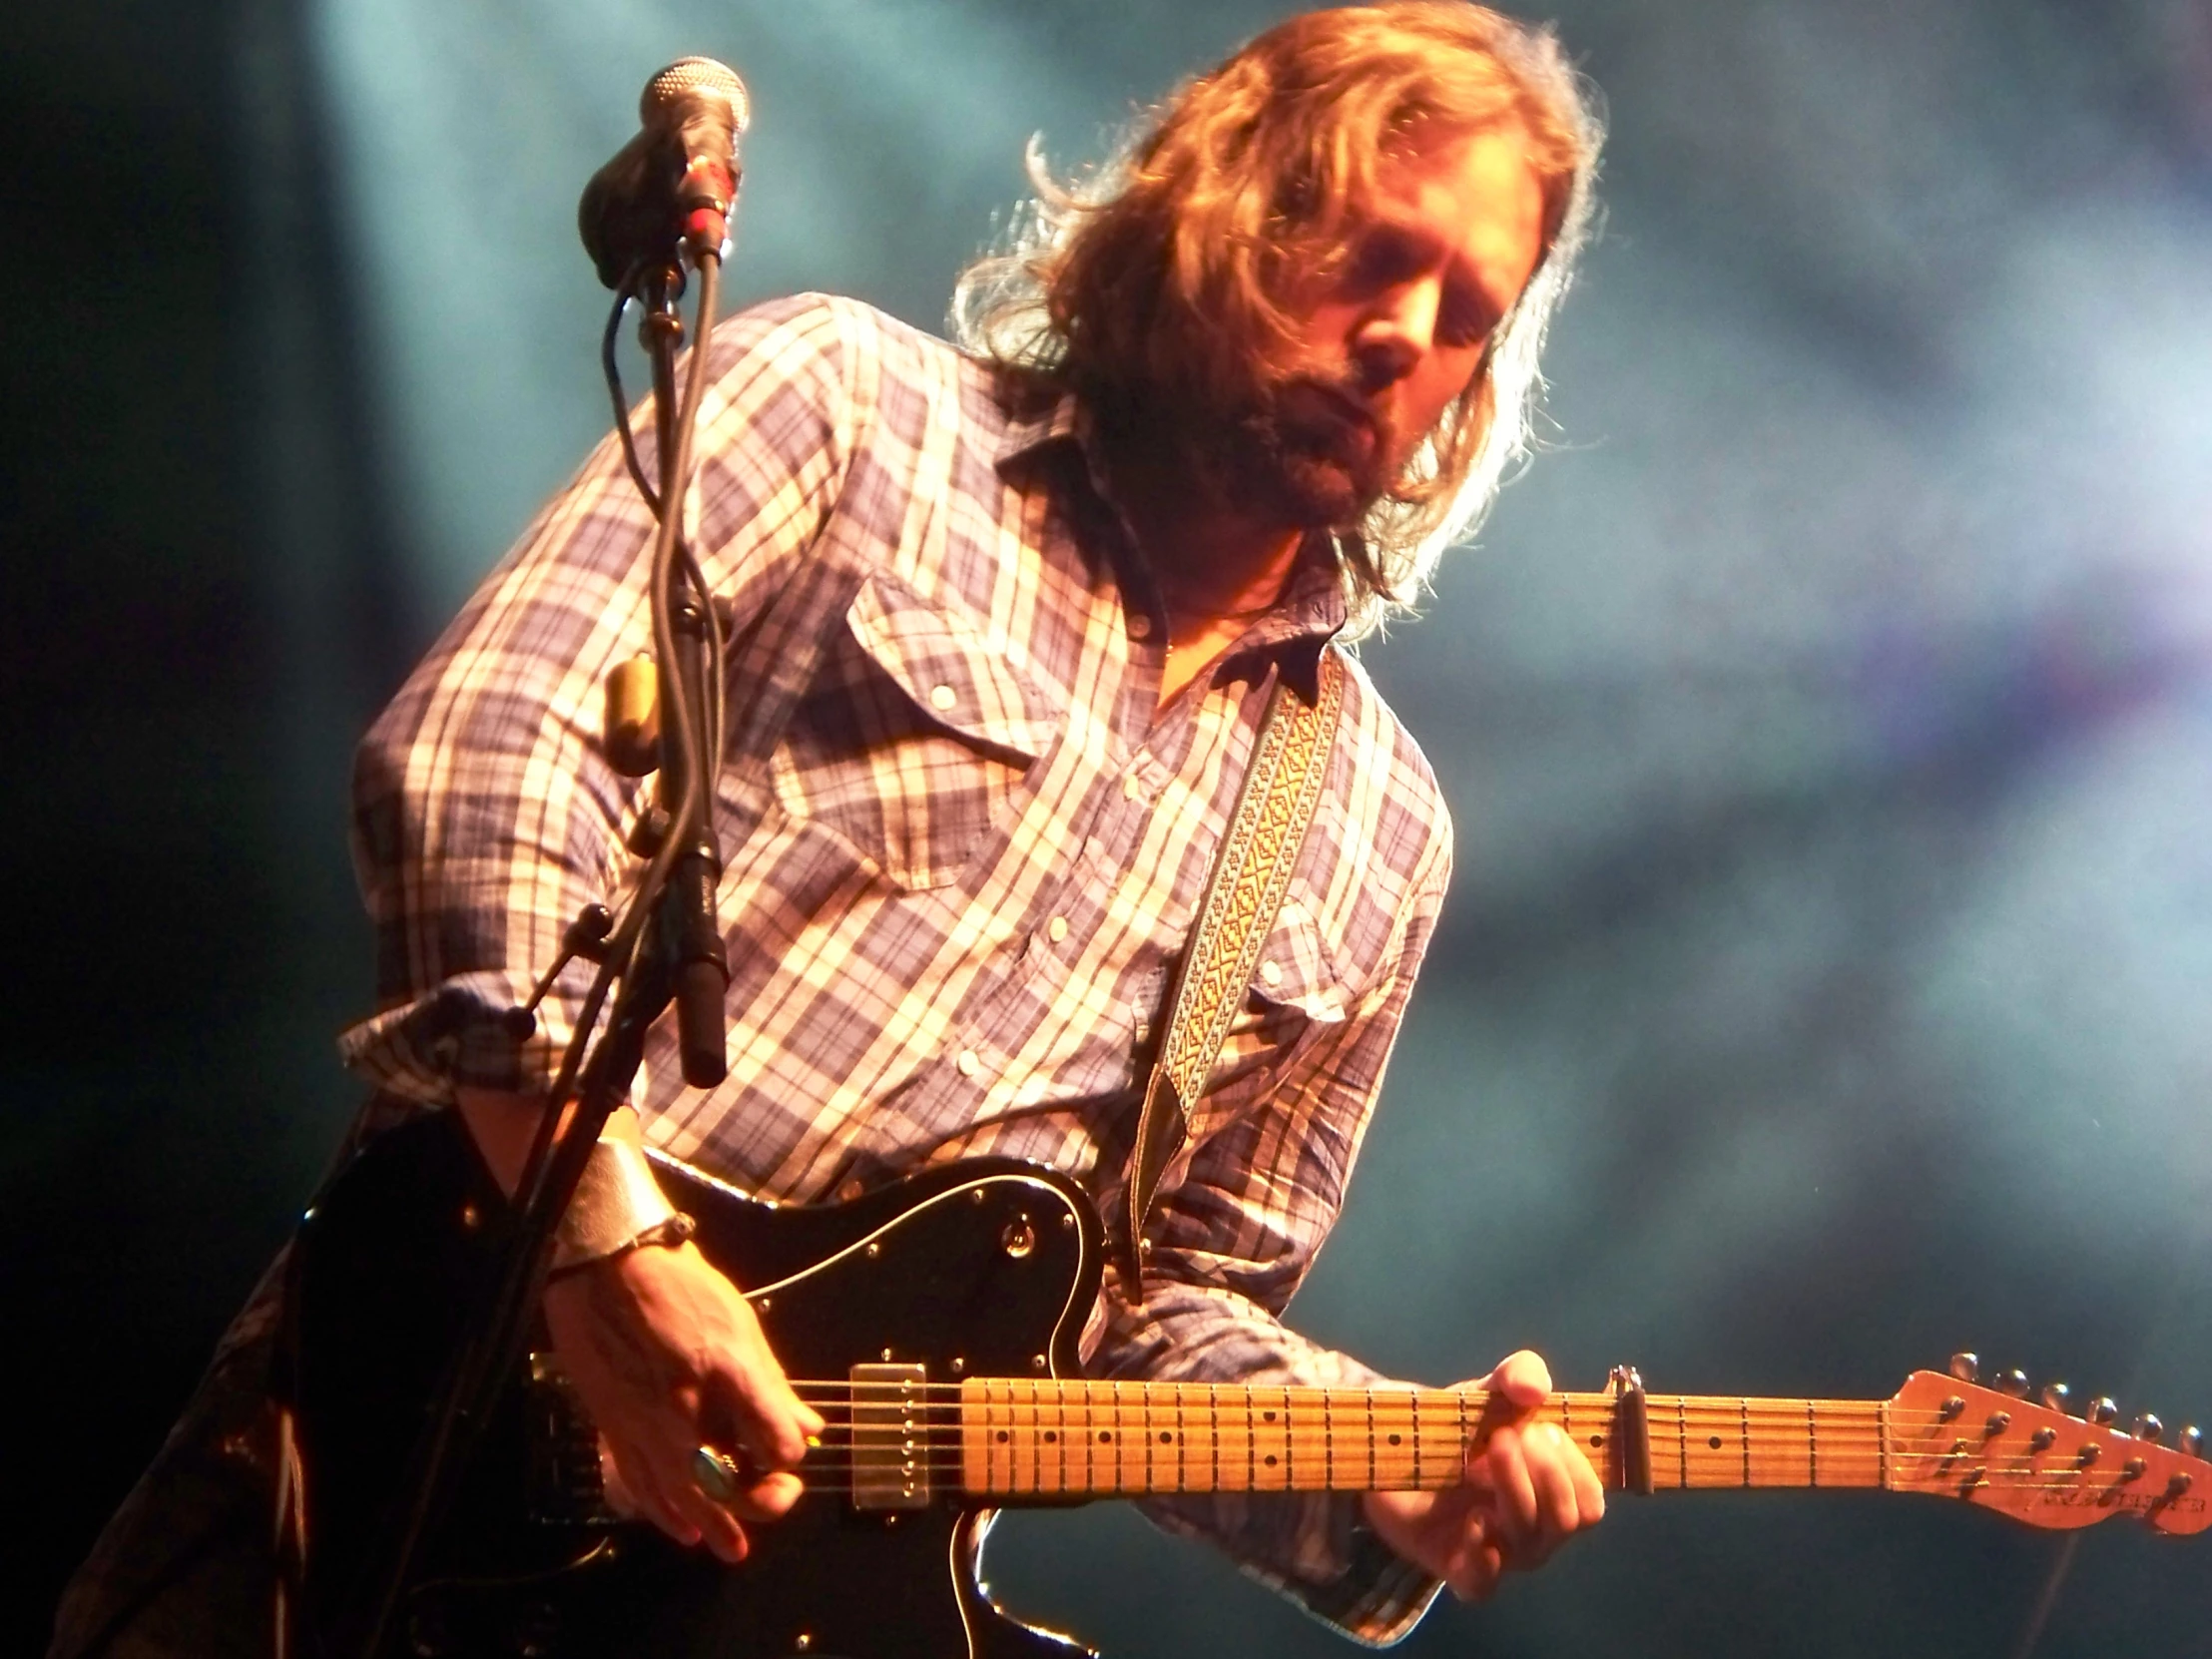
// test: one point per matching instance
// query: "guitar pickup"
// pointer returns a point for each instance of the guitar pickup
(891, 1437)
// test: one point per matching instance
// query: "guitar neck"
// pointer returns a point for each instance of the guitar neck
(1080, 1439)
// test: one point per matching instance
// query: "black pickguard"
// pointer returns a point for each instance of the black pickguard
(980, 1269)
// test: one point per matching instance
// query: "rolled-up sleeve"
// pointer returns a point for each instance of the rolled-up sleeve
(486, 816)
(1233, 1237)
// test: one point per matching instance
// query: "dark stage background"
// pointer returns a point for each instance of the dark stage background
(1826, 717)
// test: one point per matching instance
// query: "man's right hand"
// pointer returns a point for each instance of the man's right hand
(668, 1357)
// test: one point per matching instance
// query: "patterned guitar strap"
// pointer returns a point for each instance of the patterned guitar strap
(1244, 891)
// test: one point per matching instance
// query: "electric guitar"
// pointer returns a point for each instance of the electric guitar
(933, 1325)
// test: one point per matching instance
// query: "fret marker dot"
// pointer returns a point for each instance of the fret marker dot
(1105, 1433)
(1597, 1439)
(1049, 1437)
(1002, 1436)
(1267, 1416)
(1394, 1439)
(1270, 1459)
(1714, 1442)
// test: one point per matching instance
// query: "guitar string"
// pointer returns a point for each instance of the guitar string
(816, 1470)
(960, 1442)
(856, 1397)
(1838, 1440)
(1839, 1467)
(985, 1391)
(1025, 1392)
(951, 1445)
(1840, 1447)
(951, 1476)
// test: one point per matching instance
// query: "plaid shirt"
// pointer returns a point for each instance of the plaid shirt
(956, 886)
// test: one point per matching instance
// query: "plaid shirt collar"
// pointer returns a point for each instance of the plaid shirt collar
(1043, 423)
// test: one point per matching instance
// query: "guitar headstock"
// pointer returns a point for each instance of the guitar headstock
(1952, 1437)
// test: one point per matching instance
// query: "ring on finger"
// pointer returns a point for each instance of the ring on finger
(718, 1474)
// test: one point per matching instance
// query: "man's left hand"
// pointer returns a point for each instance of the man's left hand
(1529, 1488)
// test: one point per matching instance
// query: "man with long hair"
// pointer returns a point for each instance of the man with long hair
(1217, 408)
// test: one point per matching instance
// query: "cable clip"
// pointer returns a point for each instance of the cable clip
(585, 938)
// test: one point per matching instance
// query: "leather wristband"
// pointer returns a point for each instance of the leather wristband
(617, 1204)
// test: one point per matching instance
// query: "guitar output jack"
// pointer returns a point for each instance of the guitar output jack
(1020, 1239)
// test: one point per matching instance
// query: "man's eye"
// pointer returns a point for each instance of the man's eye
(1463, 320)
(1380, 260)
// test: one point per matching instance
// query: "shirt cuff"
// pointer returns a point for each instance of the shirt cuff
(1343, 1573)
(466, 1032)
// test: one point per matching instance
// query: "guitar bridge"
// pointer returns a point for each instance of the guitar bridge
(891, 1437)
(562, 1484)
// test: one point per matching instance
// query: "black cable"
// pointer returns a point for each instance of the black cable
(611, 367)
(630, 930)
(554, 1156)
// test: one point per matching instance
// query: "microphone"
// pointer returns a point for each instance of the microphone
(675, 182)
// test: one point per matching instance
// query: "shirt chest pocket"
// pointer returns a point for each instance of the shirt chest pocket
(913, 741)
(1296, 995)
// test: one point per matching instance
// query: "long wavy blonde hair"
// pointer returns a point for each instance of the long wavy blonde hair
(1167, 268)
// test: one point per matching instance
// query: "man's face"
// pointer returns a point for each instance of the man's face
(1436, 259)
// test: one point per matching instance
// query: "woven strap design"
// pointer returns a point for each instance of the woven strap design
(1251, 873)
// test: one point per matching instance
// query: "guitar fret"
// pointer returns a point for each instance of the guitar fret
(1327, 1437)
(1461, 1402)
(1416, 1443)
(1121, 1445)
(1745, 1419)
(1370, 1441)
(1882, 1421)
(1182, 1443)
(1213, 1418)
(1682, 1439)
(1252, 1446)
(1812, 1445)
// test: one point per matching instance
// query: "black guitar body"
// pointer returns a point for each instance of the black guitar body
(980, 1269)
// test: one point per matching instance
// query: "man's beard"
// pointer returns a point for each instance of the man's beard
(1302, 452)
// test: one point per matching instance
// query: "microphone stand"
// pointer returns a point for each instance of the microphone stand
(667, 946)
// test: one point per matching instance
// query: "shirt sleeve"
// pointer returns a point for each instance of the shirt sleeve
(1233, 1237)
(485, 813)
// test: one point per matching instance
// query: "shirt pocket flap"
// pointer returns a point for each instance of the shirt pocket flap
(955, 676)
(1297, 973)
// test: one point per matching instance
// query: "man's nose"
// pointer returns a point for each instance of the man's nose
(1397, 333)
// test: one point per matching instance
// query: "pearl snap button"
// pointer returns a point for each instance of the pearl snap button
(1270, 973)
(943, 698)
(1056, 929)
(969, 1062)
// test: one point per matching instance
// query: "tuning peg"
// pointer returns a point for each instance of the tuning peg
(2057, 1395)
(2014, 1382)
(2147, 1427)
(2103, 1410)
(1966, 1367)
(2192, 1440)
